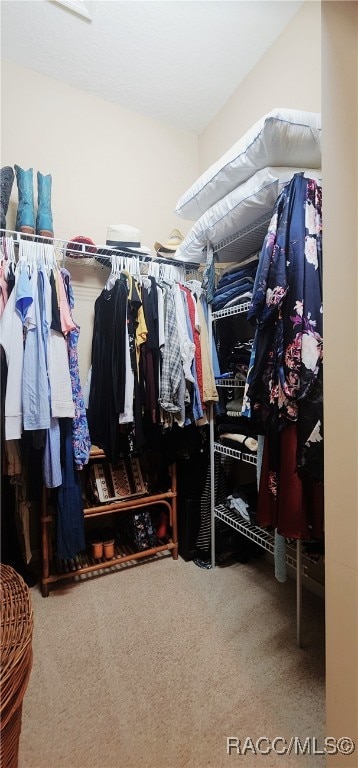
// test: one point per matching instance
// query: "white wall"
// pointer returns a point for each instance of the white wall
(109, 165)
(287, 75)
(340, 290)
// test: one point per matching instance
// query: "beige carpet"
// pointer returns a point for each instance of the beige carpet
(154, 666)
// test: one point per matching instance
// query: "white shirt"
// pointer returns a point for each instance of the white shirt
(11, 338)
(187, 347)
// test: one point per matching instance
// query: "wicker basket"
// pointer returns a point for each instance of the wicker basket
(15, 660)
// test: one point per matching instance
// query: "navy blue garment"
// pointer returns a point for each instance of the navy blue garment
(70, 518)
(231, 277)
(234, 285)
(285, 376)
(243, 287)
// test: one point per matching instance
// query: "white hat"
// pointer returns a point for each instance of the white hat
(124, 237)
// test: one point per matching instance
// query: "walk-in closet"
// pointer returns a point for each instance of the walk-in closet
(178, 338)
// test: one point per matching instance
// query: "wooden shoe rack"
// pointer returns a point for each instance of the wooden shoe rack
(54, 570)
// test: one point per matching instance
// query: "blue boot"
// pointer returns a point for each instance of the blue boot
(6, 182)
(25, 218)
(44, 222)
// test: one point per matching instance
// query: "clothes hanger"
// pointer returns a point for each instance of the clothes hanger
(111, 279)
(3, 251)
(127, 266)
(154, 269)
(9, 260)
(117, 266)
(34, 254)
(22, 261)
(194, 286)
(49, 258)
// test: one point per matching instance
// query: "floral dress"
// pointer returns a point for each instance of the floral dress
(81, 441)
(284, 384)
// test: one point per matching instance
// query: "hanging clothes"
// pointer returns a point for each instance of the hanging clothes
(195, 409)
(209, 388)
(11, 459)
(133, 438)
(81, 441)
(285, 379)
(287, 308)
(150, 354)
(51, 467)
(11, 339)
(172, 384)
(35, 382)
(107, 392)
(160, 376)
(195, 323)
(3, 290)
(10, 279)
(70, 518)
(289, 501)
(221, 493)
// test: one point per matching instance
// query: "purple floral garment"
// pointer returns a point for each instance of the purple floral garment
(81, 441)
(285, 375)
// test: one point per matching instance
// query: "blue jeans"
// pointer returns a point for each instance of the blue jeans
(70, 518)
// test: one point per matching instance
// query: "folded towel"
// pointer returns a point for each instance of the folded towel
(247, 443)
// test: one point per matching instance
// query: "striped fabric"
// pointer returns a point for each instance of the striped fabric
(221, 492)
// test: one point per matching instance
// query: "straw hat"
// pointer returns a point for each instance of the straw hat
(173, 242)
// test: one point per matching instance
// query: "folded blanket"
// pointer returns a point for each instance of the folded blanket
(234, 405)
(239, 441)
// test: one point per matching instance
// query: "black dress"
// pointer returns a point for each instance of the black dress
(107, 392)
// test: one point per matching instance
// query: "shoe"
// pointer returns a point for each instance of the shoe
(25, 218)
(96, 544)
(108, 543)
(161, 528)
(44, 221)
(7, 180)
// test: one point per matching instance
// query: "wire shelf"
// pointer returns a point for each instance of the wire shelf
(260, 536)
(249, 458)
(239, 309)
(244, 243)
(232, 383)
(81, 254)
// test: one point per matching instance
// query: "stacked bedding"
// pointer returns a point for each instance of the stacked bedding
(236, 285)
(242, 187)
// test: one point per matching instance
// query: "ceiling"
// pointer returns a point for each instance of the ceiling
(177, 61)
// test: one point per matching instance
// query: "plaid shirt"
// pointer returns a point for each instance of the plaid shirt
(172, 368)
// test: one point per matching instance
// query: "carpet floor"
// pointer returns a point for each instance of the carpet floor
(155, 666)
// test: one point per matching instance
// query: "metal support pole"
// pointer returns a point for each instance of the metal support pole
(212, 454)
(298, 591)
(212, 486)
